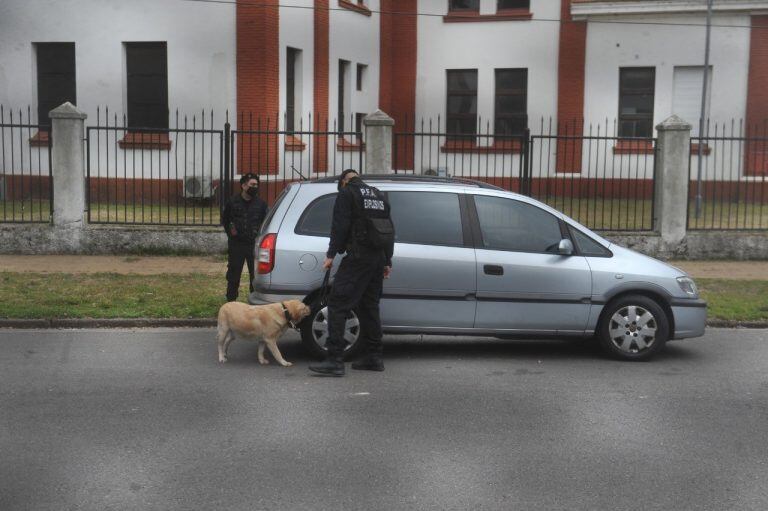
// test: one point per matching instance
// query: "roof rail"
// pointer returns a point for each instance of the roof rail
(416, 178)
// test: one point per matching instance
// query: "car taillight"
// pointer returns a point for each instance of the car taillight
(267, 253)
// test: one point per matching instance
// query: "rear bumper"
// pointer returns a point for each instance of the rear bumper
(690, 318)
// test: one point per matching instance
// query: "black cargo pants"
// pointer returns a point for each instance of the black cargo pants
(238, 253)
(358, 285)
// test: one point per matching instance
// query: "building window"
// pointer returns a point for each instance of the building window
(504, 5)
(147, 73)
(361, 71)
(511, 101)
(461, 118)
(636, 89)
(686, 94)
(343, 107)
(464, 5)
(292, 61)
(55, 77)
(359, 126)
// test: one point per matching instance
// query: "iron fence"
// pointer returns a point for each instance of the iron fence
(26, 187)
(313, 149)
(592, 174)
(168, 176)
(732, 191)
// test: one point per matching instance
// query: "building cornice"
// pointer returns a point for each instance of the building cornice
(582, 9)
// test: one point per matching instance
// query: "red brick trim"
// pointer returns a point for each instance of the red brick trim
(397, 71)
(143, 140)
(39, 139)
(345, 145)
(258, 79)
(320, 97)
(570, 86)
(359, 8)
(633, 147)
(706, 150)
(755, 163)
(471, 16)
(294, 144)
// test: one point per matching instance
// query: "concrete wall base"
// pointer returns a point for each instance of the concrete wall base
(111, 239)
(101, 239)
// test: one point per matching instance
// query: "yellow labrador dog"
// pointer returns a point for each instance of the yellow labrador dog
(265, 323)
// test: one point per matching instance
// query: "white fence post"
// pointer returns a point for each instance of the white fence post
(670, 194)
(67, 159)
(378, 143)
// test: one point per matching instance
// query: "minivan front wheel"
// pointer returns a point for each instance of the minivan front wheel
(633, 327)
(314, 334)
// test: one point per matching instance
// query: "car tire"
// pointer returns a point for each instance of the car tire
(314, 332)
(633, 327)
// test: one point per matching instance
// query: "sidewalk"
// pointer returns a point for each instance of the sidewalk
(151, 265)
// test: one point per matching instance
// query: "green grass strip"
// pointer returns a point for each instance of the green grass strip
(108, 295)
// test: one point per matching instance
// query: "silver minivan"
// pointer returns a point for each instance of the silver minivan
(473, 259)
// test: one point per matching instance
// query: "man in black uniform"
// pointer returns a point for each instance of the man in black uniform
(241, 218)
(363, 229)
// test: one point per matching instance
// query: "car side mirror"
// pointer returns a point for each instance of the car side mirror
(565, 247)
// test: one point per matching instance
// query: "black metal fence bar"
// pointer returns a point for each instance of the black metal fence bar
(732, 191)
(602, 180)
(170, 176)
(26, 185)
(280, 156)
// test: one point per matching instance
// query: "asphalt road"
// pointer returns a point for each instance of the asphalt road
(147, 419)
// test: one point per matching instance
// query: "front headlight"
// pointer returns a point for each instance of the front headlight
(687, 285)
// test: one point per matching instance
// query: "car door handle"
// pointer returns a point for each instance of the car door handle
(493, 269)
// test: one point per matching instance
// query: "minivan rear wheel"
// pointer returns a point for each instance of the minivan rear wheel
(633, 327)
(314, 334)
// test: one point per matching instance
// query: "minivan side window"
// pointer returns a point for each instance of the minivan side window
(316, 219)
(426, 218)
(508, 224)
(587, 246)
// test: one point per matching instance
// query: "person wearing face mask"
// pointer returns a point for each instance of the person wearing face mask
(242, 218)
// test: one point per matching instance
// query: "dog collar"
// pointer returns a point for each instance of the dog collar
(287, 315)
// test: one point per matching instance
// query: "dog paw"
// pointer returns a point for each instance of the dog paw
(287, 364)
(264, 362)
(222, 360)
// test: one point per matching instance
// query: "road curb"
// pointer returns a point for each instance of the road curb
(210, 323)
(108, 323)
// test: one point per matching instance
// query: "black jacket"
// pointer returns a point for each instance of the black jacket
(245, 216)
(346, 216)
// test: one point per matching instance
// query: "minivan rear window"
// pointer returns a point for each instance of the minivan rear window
(265, 223)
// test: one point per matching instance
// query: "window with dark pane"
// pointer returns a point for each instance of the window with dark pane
(342, 112)
(290, 89)
(359, 126)
(513, 4)
(147, 73)
(464, 5)
(461, 111)
(55, 78)
(636, 94)
(361, 69)
(511, 101)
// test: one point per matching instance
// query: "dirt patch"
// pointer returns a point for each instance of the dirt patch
(152, 265)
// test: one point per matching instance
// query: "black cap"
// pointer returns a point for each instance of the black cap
(247, 177)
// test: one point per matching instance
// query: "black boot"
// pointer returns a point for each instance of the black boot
(369, 362)
(333, 365)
